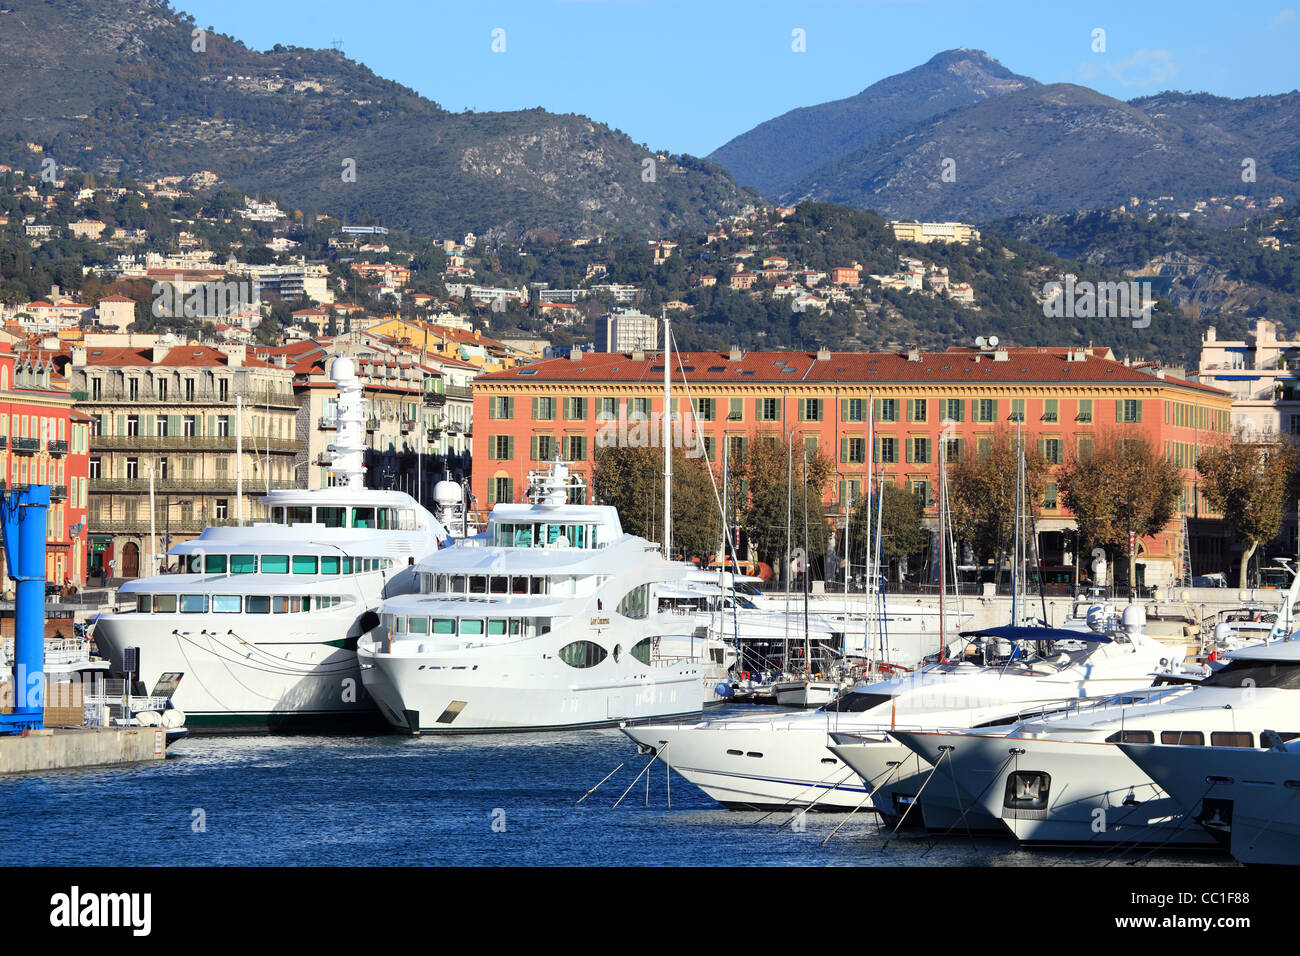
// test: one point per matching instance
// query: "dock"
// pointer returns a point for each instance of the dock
(80, 747)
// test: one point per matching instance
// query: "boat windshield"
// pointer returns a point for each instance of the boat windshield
(855, 702)
(1248, 673)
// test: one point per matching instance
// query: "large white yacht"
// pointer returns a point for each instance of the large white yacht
(1063, 779)
(764, 762)
(261, 621)
(546, 621)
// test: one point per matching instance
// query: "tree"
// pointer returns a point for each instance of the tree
(901, 533)
(1250, 482)
(767, 469)
(631, 479)
(982, 493)
(1124, 487)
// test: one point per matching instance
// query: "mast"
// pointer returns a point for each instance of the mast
(807, 567)
(666, 436)
(943, 548)
(789, 499)
(871, 472)
(239, 459)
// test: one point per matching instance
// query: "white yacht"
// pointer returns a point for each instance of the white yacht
(546, 621)
(1248, 799)
(1062, 778)
(765, 762)
(261, 621)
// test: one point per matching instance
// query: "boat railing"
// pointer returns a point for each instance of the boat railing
(65, 650)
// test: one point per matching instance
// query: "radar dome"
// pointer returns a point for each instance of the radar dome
(446, 493)
(1134, 618)
(343, 368)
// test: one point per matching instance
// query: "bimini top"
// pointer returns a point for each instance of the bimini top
(1013, 632)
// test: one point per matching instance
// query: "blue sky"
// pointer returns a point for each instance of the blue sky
(688, 76)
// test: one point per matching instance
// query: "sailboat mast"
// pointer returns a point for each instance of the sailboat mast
(789, 505)
(871, 472)
(943, 547)
(666, 436)
(807, 567)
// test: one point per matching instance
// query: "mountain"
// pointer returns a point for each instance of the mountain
(776, 155)
(127, 86)
(1063, 147)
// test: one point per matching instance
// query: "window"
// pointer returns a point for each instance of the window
(501, 406)
(223, 389)
(543, 409)
(1017, 410)
(194, 604)
(1084, 448)
(705, 409)
(160, 426)
(1052, 450)
(735, 409)
(189, 426)
(132, 469)
(851, 409)
(918, 410)
(164, 603)
(221, 508)
(608, 409)
(501, 489)
(1050, 495)
(853, 450)
(810, 409)
(576, 409)
(1128, 410)
(543, 447)
(96, 389)
(243, 564)
(767, 409)
(921, 489)
(363, 517)
(214, 564)
(333, 517)
(886, 450)
(952, 409)
(641, 650)
(1050, 409)
(226, 603)
(133, 389)
(1185, 738)
(636, 603)
(189, 390)
(984, 409)
(502, 447)
(918, 450)
(275, 564)
(640, 409)
(887, 410)
(223, 426)
(132, 425)
(1232, 738)
(581, 654)
(95, 465)
(952, 448)
(257, 604)
(1131, 737)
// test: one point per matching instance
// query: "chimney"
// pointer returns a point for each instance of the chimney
(1001, 355)
(638, 355)
(736, 354)
(575, 354)
(823, 354)
(914, 355)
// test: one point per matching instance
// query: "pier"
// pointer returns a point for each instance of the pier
(63, 748)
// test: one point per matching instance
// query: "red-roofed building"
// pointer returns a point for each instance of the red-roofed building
(1064, 397)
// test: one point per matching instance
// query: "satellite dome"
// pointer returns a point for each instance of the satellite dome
(343, 368)
(446, 493)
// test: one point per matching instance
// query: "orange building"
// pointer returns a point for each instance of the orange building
(1062, 398)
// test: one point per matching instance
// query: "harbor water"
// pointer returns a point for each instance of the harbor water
(481, 800)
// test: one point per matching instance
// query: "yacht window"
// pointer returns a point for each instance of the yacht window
(498, 584)
(1131, 737)
(440, 583)
(329, 564)
(636, 603)
(215, 564)
(243, 564)
(477, 584)
(304, 603)
(332, 517)
(523, 535)
(347, 565)
(519, 585)
(418, 625)
(304, 564)
(194, 604)
(444, 625)
(516, 626)
(641, 650)
(1232, 738)
(299, 514)
(164, 604)
(226, 603)
(582, 654)
(856, 703)
(277, 514)
(194, 563)
(257, 604)
(1245, 673)
(470, 626)
(1186, 738)
(387, 519)
(143, 603)
(496, 626)
(537, 585)
(363, 517)
(279, 605)
(458, 584)
(543, 626)
(275, 564)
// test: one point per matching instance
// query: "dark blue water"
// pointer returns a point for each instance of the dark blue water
(425, 800)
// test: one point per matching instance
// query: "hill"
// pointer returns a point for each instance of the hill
(119, 86)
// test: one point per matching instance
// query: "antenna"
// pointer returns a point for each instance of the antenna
(336, 45)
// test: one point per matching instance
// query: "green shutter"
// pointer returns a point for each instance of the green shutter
(510, 447)
(492, 491)
(844, 449)
(844, 409)
(212, 425)
(1119, 409)
(121, 425)
(1139, 410)
(803, 409)
(492, 413)
(875, 449)
(1042, 448)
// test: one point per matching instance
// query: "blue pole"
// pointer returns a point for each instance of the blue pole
(22, 520)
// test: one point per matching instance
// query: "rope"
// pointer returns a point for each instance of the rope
(603, 779)
(917, 798)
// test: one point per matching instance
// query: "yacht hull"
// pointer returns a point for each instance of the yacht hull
(496, 691)
(1089, 793)
(269, 678)
(757, 768)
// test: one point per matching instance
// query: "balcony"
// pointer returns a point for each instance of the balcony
(58, 448)
(252, 444)
(226, 485)
(372, 424)
(432, 434)
(4, 442)
(198, 396)
(328, 423)
(435, 398)
(408, 425)
(58, 492)
(27, 446)
(324, 458)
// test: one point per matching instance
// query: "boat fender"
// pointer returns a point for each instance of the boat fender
(723, 690)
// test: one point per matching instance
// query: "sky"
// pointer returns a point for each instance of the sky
(688, 75)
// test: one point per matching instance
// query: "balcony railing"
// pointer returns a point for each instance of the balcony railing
(200, 396)
(435, 398)
(58, 447)
(324, 458)
(372, 424)
(27, 446)
(163, 525)
(460, 391)
(252, 486)
(252, 444)
(327, 423)
(4, 442)
(58, 492)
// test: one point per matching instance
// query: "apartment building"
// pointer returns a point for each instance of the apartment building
(171, 420)
(1063, 399)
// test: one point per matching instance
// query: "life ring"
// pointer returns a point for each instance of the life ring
(744, 675)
